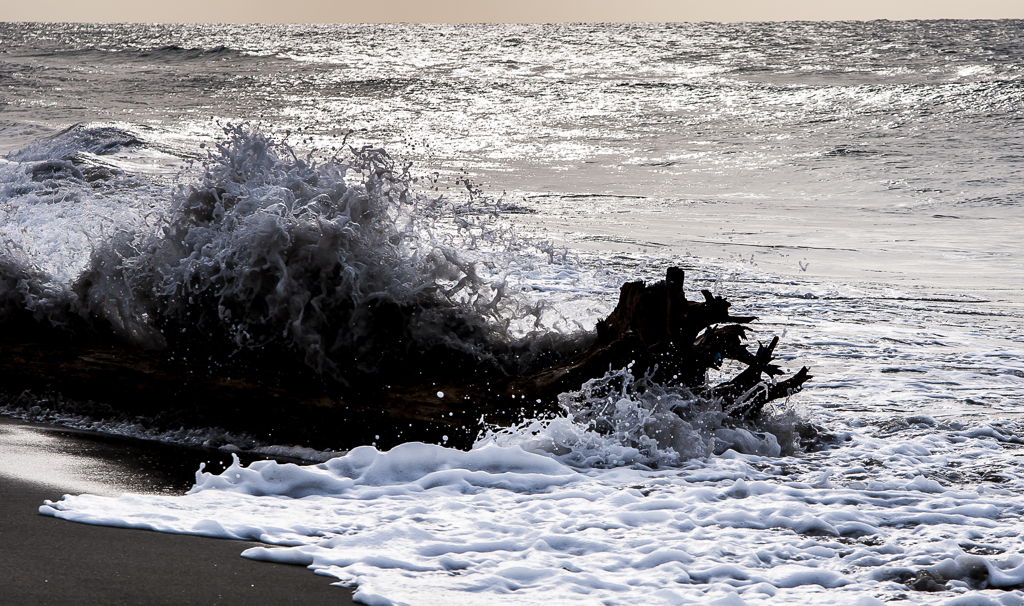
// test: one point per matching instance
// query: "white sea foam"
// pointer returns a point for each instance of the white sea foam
(424, 524)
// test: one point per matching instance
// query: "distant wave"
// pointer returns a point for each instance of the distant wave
(64, 145)
(175, 52)
(170, 52)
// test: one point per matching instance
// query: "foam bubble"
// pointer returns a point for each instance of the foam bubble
(507, 526)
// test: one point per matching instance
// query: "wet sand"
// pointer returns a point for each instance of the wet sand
(45, 560)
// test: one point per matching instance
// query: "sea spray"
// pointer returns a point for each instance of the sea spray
(339, 260)
(620, 420)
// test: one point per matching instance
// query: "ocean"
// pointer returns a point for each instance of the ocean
(857, 186)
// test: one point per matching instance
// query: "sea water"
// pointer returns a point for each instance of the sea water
(857, 186)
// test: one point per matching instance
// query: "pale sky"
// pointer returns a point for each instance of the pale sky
(505, 11)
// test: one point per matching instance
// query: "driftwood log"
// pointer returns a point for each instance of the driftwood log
(654, 330)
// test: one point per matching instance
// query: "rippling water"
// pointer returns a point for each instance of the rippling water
(884, 150)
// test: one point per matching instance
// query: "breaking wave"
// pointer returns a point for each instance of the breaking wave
(70, 144)
(338, 259)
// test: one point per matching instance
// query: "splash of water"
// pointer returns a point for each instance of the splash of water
(339, 260)
(619, 420)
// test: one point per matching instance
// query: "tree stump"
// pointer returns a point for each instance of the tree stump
(658, 333)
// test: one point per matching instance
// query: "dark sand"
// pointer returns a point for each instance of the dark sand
(44, 560)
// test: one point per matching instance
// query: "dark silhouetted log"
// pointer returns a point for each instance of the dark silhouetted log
(654, 330)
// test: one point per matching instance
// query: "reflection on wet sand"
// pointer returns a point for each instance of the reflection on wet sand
(86, 462)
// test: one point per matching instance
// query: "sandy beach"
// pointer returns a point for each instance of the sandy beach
(44, 560)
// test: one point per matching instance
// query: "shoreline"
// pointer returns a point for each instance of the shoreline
(46, 560)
